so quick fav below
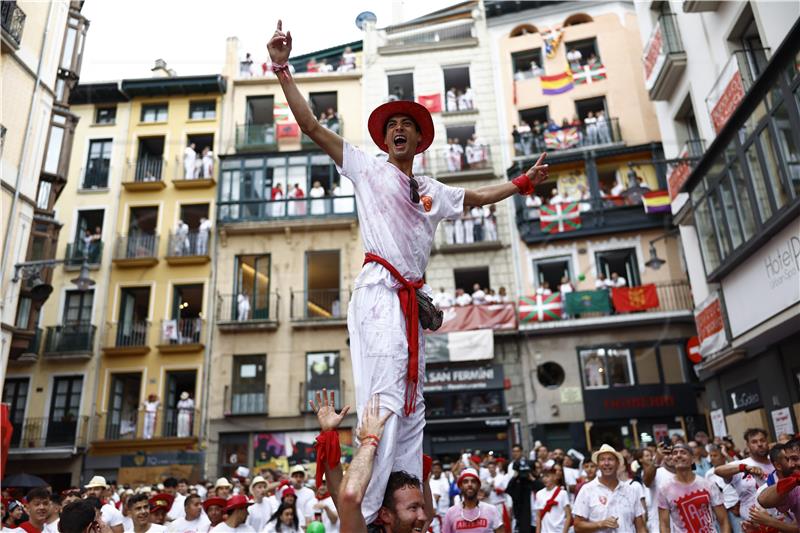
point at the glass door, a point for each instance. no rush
(64, 411)
(15, 394)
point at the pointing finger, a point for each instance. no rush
(280, 24)
(541, 158)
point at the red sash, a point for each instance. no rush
(408, 304)
(549, 504)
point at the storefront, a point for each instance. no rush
(143, 467)
(465, 409)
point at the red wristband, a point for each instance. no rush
(524, 184)
(427, 465)
(277, 67)
(742, 467)
(329, 453)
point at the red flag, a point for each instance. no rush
(6, 432)
(289, 129)
(628, 299)
(432, 102)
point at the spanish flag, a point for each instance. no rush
(656, 202)
(558, 84)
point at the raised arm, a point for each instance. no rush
(324, 406)
(524, 184)
(279, 48)
(728, 471)
(354, 484)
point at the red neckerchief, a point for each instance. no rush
(30, 528)
(549, 504)
(329, 453)
(408, 304)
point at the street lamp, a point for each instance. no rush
(40, 291)
(656, 262)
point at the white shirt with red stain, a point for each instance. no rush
(747, 485)
(690, 505)
(595, 502)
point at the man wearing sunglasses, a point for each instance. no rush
(398, 213)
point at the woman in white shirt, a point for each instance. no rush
(283, 521)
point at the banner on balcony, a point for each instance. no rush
(472, 317)
(627, 299)
(656, 202)
(710, 325)
(558, 83)
(540, 308)
(169, 330)
(654, 56)
(288, 129)
(431, 102)
(726, 94)
(552, 38)
(282, 113)
(459, 346)
(279, 450)
(578, 302)
(562, 139)
(589, 74)
(678, 173)
(558, 218)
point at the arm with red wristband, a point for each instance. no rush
(777, 495)
(329, 453)
(523, 184)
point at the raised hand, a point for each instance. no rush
(280, 45)
(539, 171)
(371, 422)
(323, 406)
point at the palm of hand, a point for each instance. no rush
(328, 418)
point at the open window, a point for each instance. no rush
(141, 238)
(323, 283)
(401, 86)
(466, 278)
(527, 64)
(322, 372)
(460, 134)
(201, 165)
(325, 106)
(260, 110)
(591, 105)
(582, 53)
(619, 263)
(134, 308)
(458, 89)
(187, 315)
(192, 215)
(88, 238)
(533, 115)
(549, 272)
(150, 162)
(123, 406)
(180, 414)
(253, 283)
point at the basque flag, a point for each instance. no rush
(559, 218)
(540, 308)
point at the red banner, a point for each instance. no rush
(432, 102)
(471, 317)
(289, 129)
(7, 431)
(728, 102)
(628, 299)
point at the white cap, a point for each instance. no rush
(297, 468)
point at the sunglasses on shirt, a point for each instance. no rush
(414, 190)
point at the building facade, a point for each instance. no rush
(733, 95)
(592, 356)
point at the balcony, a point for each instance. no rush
(594, 216)
(258, 314)
(137, 250)
(450, 166)
(25, 345)
(49, 438)
(181, 335)
(168, 429)
(678, 171)
(96, 177)
(306, 213)
(71, 341)
(664, 58)
(467, 234)
(738, 75)
(246, 403)
(188, 248)
(13, 22)
(256, 137)
(203, 180)
(569, 139)
(127, 338)
(319, 308)
(76, 252)
(411, 38)
(674, 303)
(146, 175)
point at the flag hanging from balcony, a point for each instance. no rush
(540, 308)
(627, 299)
(589, 74)
(562, 139)
(578, 302)
(457, 346)
(558, 218)
(282, 113)
(431, 102)
(656, 202)
(557, 84)
(290, 129)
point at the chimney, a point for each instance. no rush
(160, 70)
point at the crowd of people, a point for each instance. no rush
(322, 201)
(458, 100)
(470, 156)
(347, 62)
(195, 167)
(595, 128)
(612, 194)
(476, 224)
(478, 296)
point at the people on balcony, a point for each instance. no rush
(478, 294)
(453, 155)
(180, 244)
(502, 297)
(207, 163)
(466, 99)
(185, 413)
(451, 99)
(189, 159)
(297, 207)
(323, 67)
(462, 298)
(317, 206)
(276, 195)
(601, 283)
(443, 299)
(348, 61)
(242, 307)
(330, 119)
(574, 57)
(490, 224)
(477, 223)
(544, 289)
(150, 407)
(516, 136)
(618, 281)
(203, 232)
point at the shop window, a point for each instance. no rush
(550, 375)
(467, 278)
(233, 452)
(549, 272)
(105, 115)
(401, 86)
(203, 110)
(154, 113)
(248, 386)
(672, 359)
(646, 363)
(606, 367)
(622, 262)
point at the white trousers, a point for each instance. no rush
(379, 353)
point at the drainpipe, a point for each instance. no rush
(25, 146)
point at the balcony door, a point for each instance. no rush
(187, 312)
(123, 406)
(133, 314)
(621, 262)
(253, 281)
(77, 321)
(15, 394)
(323, 285)
(179, 422)
(248, 387)
(88, 237)
(65, 407)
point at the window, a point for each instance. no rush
(401, 86)
(646, 362)
(533, 115)
(98, 164)
(460, 135)
(88, 238)
(150, 161)
(464, 403)
(583, 53)
(201, 166)
(260, 110)
(123, 406)
(324, 296)
(65, 405)
(23, 312)
(78, 307)
(248, 386)
(548, 272)
(527, 64)
(55, 144)
(324, 103)
(253, 281)
(105, 115)
(233, 452)
(603, 368)
(622, 262)
(203, 110)
(467, 278)
(154, 113)
(458, 89)
(187, 315)
(132, 318)
(15, 395)
(180, 422)
(550, 375)
(672, 360)
(322, 372)
(591, 105)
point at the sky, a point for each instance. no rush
(127, 36)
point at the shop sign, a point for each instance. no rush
(766, 283)
(467, 378)
(710, 325)
(718, 423)
(744, 397)
(782, 421)
(654, 57)
(631, 402)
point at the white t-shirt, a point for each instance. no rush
(198, 525)
(499, 481)
(305, 501)
(111, 515)
(330, 527)
(259, 514)
(441, 487)
(127, 523)
(553, 520)
(222, 527)
(483, 519)
(51, 527)
(651, 495)
(729, 496)
(746, 485)
(177, 510)
(690, 505)
(596, 502)
(154, 528)
(391, 226)
(463, 300)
